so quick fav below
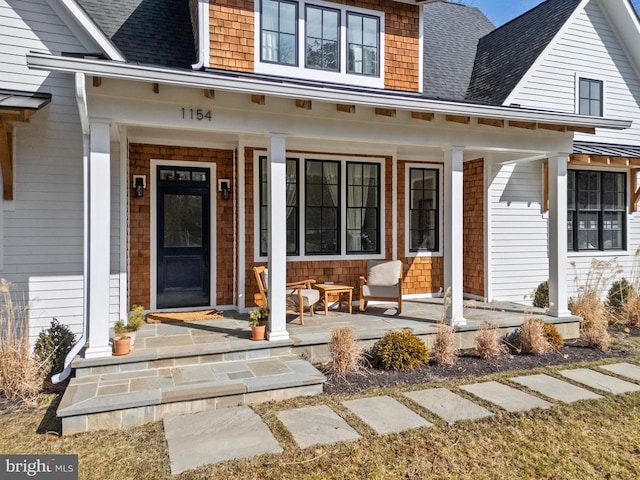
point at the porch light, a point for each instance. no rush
(139, 184)
(224, 187)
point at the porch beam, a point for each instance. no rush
(209, 93)
(99, 244)
(492, 122)
(341, 107)
(558, 299)
(525, 125)
(553, 127)
(304, 104)
(426, 116)
(386, 112)
(276, 178)
(453, 226)
(6, 159)
(635, 189)
(588, 130)
(463, 119)
(258, 99)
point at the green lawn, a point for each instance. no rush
(586, 440)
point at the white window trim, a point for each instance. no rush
(607, 253)
(301, 210)
(407, 241)
(300, 71)
(153, 191)
(589, 76)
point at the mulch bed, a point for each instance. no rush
(469, 364)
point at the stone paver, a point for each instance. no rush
(450, 407)
(508, 398)
(215, 436)
(600, 381)
(316, 426)
(554, 388)
(624, 370)
(385, 414)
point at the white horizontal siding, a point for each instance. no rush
(587, 48)
(519, 237)
(42, 229)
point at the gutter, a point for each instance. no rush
(229, 83)
(203, 36)
(83, 111)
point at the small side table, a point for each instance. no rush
(339, 290)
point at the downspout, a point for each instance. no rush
(203, 36)
(83, 111)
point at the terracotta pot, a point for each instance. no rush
(258, 332)
(121, 345)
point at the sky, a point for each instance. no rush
(501, 11)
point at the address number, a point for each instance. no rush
(196, 114)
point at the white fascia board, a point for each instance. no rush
(87, 23)
(256, 86)
(536, 64)
(626, 27)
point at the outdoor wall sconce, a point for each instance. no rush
(139, 184)
(224, 187)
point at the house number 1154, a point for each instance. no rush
(196, 114)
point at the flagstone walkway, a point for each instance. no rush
(231, 433)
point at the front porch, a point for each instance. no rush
(185, 367)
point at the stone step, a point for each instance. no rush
(129, 398)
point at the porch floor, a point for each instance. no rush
(185, 367)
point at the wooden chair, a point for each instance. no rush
(383, 282)
(300, 295)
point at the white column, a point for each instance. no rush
(277, 180)
(99, 243)
(453, 241)
(558, 236)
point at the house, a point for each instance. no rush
(572, 56)
(173, 145)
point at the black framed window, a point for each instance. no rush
(322, 38)
(293, 236)
(322, 207)
(279, 32)
(590, 97)
(596, 210)
(363, 207)
(363, 44)
(424, 208)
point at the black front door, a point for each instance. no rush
(184, 216)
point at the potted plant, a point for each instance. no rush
(258, 320)
(135, 319)
(121, 345)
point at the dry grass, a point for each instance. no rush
(563, 442)
(533, 338)
(346, 355)
(630, 314)
(443, 350)
(21, 375)
(488, 342)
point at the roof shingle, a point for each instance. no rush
(506, 54)
(157, 32)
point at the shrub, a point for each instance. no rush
(617, 296)
(443, 350)
(631, 310)
(530, 337)
(346, 354)
(553, 335)
(53, 345)
(135, 319)
(541, 295)
(21, 375)
(400, 351)
(488, 342)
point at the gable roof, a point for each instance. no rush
(156, 32)
(506, 54)
(451, 34)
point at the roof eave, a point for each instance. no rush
(196, 79)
